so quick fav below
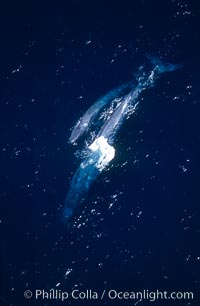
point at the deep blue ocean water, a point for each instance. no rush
(139, 226)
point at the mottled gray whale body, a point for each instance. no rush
(111, 125)
(101, 151)
(85, 121)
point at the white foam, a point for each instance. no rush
(106, 152)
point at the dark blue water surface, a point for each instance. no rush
(139, 227)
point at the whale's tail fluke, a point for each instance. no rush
(162, 66)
